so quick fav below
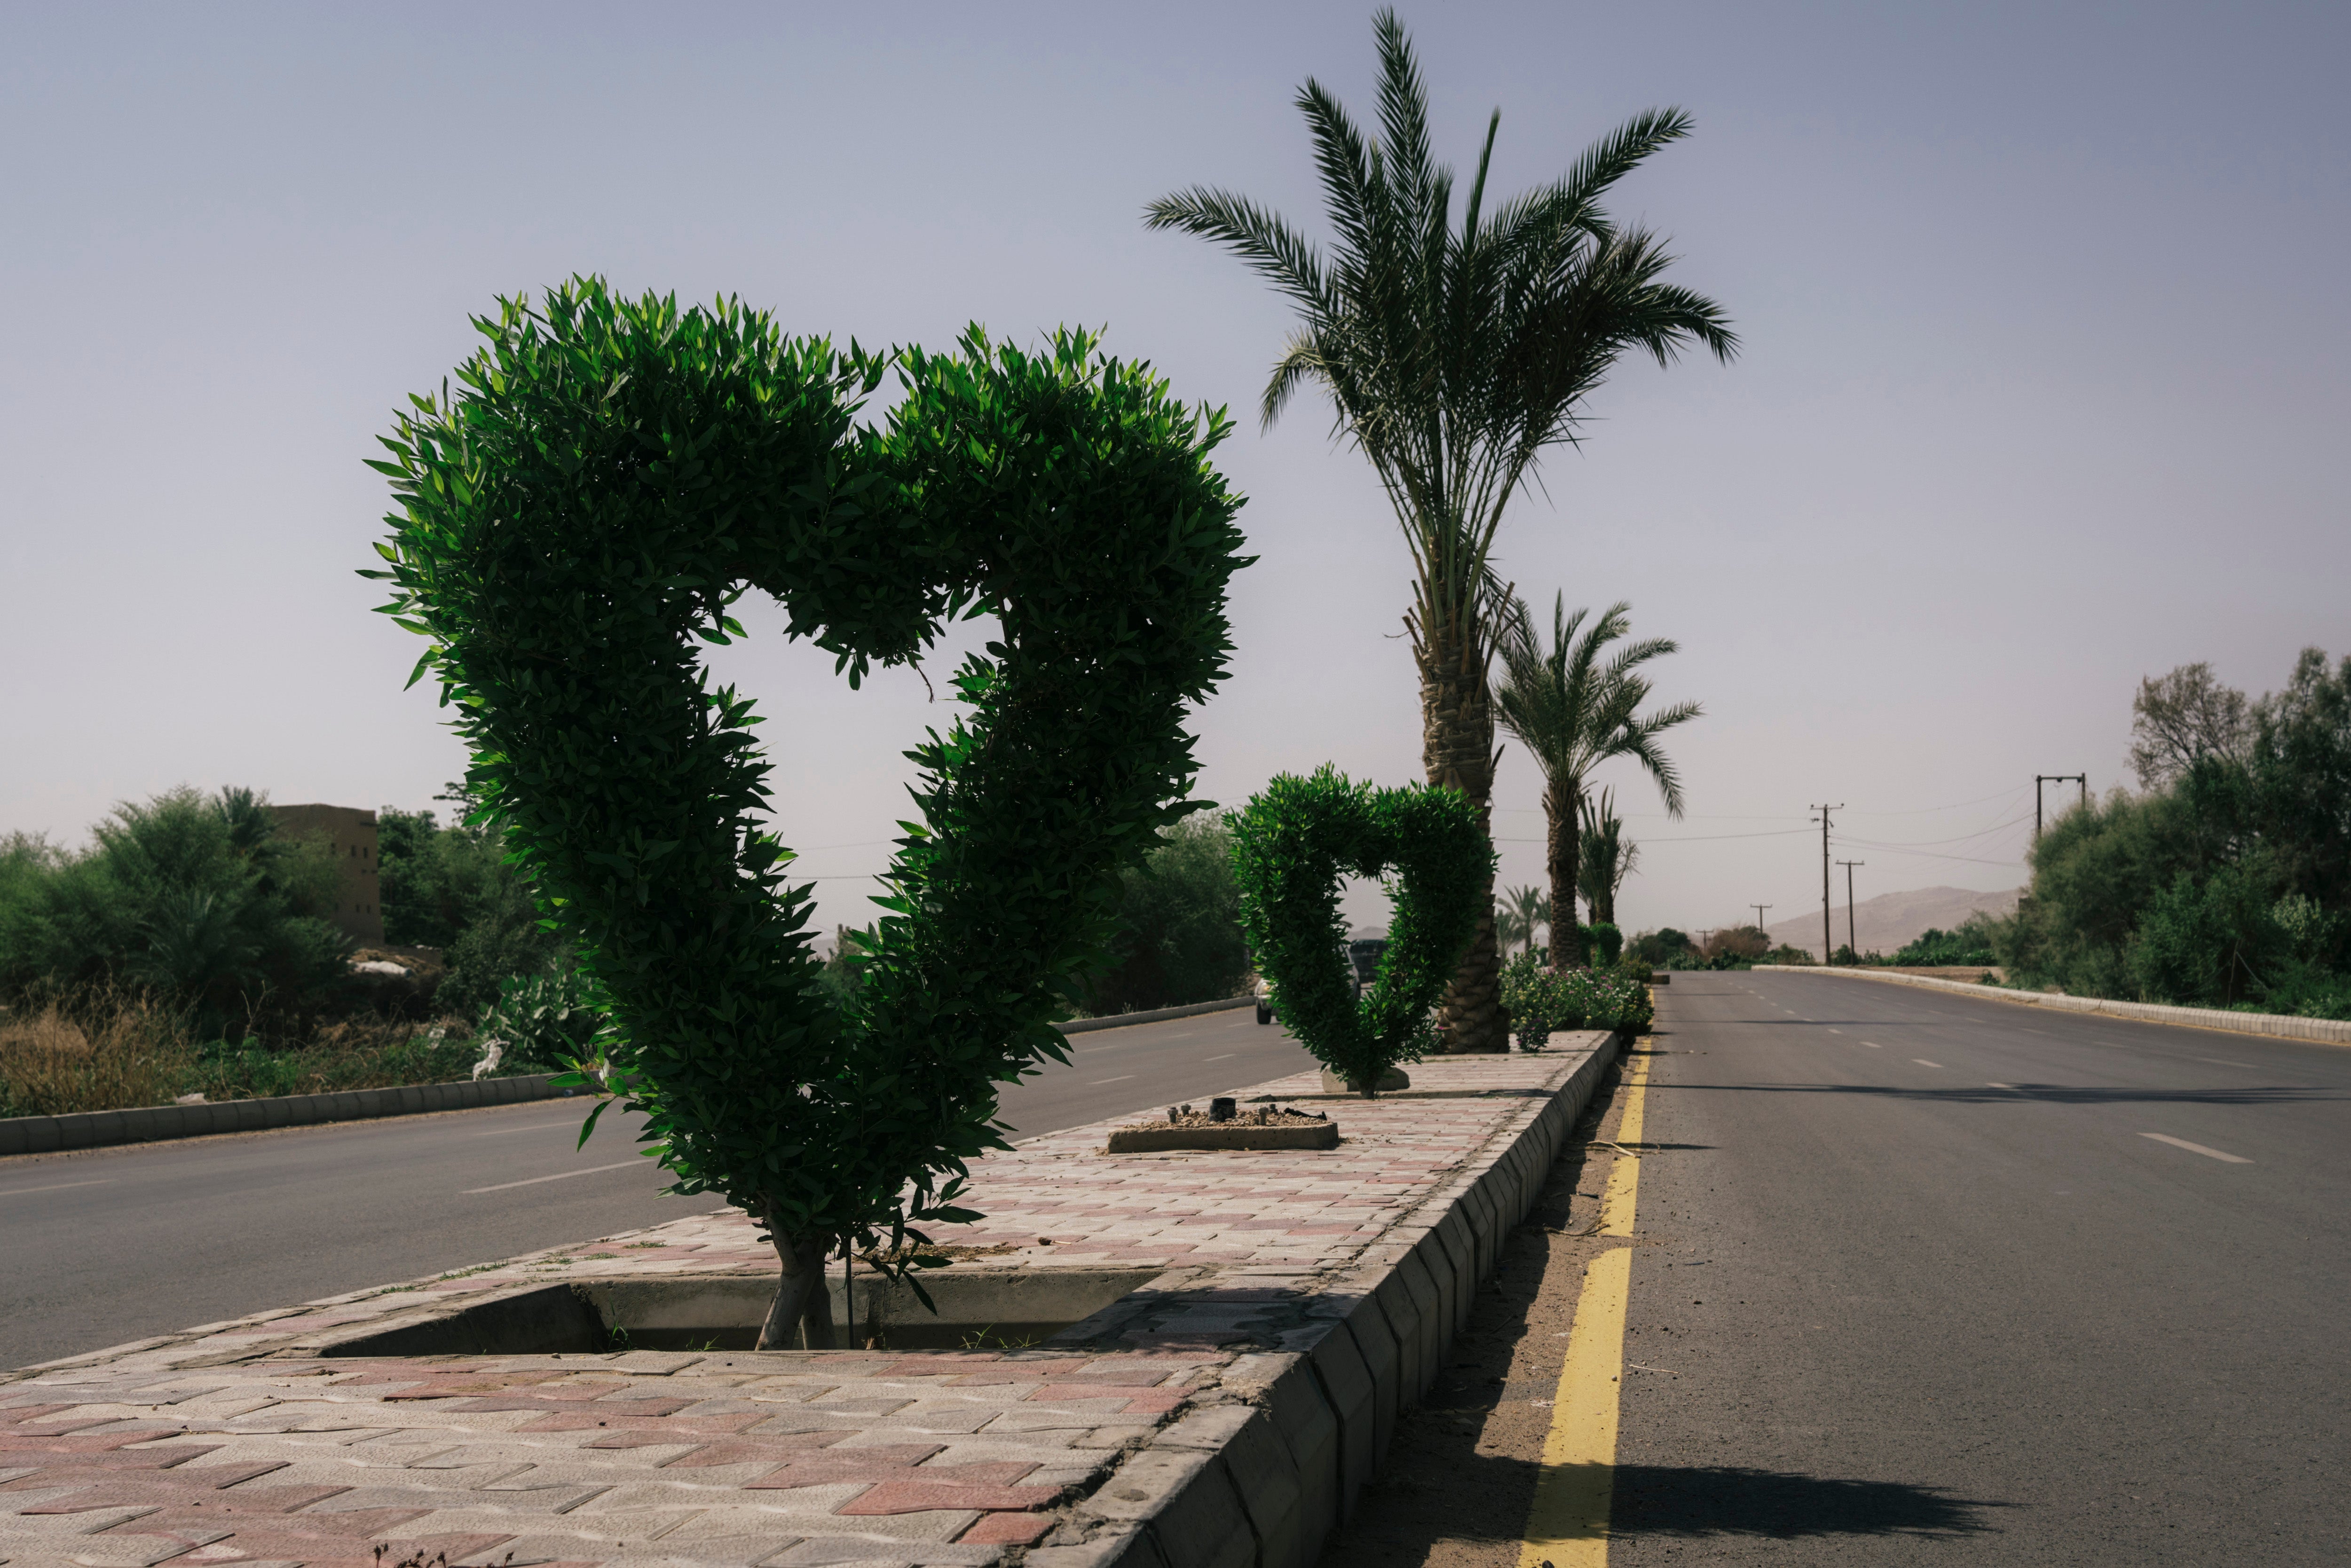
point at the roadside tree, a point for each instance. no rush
(1574, 711)
(1606, 858)
(1454, 357)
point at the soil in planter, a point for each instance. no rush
(1192, 1116)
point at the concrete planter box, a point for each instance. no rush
(1158, 1140)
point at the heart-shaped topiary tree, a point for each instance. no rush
(1291, 845)
(610, 476)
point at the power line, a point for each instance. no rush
(1930, 855)
(1682, 839)
(1956, 839)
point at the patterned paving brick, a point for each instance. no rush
(1008, 1528)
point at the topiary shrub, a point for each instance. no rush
(1291, 845)
(1606, 942)
(1542, 1001)
(538, 1024)
(574, 523)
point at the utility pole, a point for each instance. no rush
(1828, 938)
(1759, 909)
(1851, 941)
(2041, 778)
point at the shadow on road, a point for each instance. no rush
(1713, 1499)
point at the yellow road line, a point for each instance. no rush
(1567, 1525)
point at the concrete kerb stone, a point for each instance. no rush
(1460, 1246)
(1376, 1344)
(1347, 1385)
(1261, 1467)
(2276, 1026)
(1185, 1501)
(1438, 1262)
(1403, 1315)
(148, 1123)
(1302, 1423)
(1119, 1546)
(1413, 1277)
(1154, 1015)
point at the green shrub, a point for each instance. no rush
(574, 525)
(1292, 843)
(1179, 926)
(542, 1023)
(1660, 948)
(1975, 942)
(1605, 943)
(2209, 944)
(1541, 1001)
(195, 898)
(455, 889)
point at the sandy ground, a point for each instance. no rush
(1456, 1483)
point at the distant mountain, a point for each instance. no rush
(1891, 920)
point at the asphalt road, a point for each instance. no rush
(112, 1245)
(1921, 1278)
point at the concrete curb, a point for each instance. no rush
(1120, 1020)
(2278, 1026)
(1262, 1480)
(148, 1123)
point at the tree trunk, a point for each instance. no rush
(801, 1299)
(1457, 747)
(1563, 850)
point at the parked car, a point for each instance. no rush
(1367, 952)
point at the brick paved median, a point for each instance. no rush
(241, 1442)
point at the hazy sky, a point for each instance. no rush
(2043, 309)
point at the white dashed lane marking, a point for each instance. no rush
(560, 1176)
(2197, 1149)
(1924, 1062)
(55, 1186)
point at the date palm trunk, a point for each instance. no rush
(1563, 849)
(801, 1301)
(1457, 749)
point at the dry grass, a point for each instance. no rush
(126, 1051)
(110, 1050)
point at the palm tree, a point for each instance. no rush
(1517, 914)
(1574, 712)
(1454, 357)
(1606, 858)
